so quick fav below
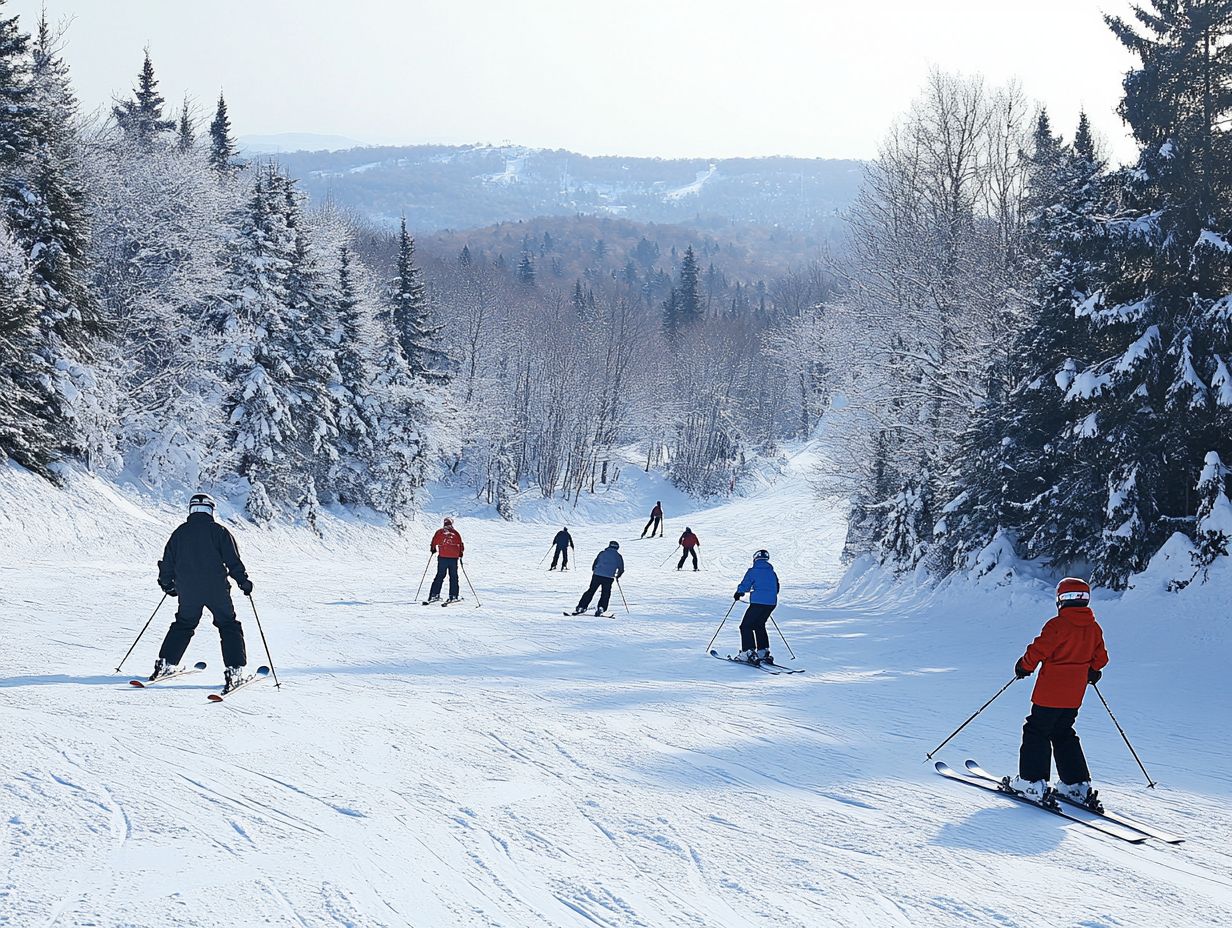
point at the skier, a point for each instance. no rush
(656, 521)
(690, 543)
(196, 562)
(608, 567)
(1071, 647)
(562, 543)
(763, 583)
(448, 547)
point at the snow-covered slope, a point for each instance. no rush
(508, 766)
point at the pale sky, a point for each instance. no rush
(670, 78)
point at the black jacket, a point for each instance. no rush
(563, 539)
(198, 557)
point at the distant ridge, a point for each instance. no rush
(293, 141)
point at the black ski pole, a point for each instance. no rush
(468, 583)
(419, 589)
(720, 628)
(622, 596)
(143, 628)
(1150, 784)
(781, 635)
(670, 556)
(268, 656)
(545, 555)
(970, 720)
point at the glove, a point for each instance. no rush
(1093, 675)
(432, 550)
(246, 587)
(1020, 671)
(169, 589)
(736, 596)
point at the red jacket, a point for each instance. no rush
(1070, 644)
(689, 540)
(657, 512)
(447, 543)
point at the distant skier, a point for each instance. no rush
(448, 547)
(608, 567)
(196, 563)
(690, 543)
(762, 582)
(656, 521)
(1071, 647)
(562, 543)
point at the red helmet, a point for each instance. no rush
(1073, 592)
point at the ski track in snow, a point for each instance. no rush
(508, 766)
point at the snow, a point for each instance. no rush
(695, 188)
(507, 766)
(1214, 240)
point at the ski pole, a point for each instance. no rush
(468, 583)
(1150, 784)
(721, 624)
(419, 589)
(545, 555)
(268, 656)
(622, 596)
(670, 556)
(143, 628)
(970, 720)
(781, 635)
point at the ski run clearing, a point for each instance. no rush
(508, 766)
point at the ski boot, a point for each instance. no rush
(579, 611)
(1082, 794)
(747, 657)
(161, 669)
(764, 656)
(451, 600)
(1035, 790)
(598, 610)
(430, 600)
(552, 568)
(232, 677)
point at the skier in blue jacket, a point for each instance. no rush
(762, 583)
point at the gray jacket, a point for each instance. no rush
(609, 563)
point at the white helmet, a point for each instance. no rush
(201, 502)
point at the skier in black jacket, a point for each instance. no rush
(562, 542)
(196, 562)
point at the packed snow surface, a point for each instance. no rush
(509, 766)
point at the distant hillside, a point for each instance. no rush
(452, 187)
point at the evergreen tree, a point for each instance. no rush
(464, 257)
(15, 91)
(25, 435)
(186, 132)
(352, 391)
(526, 271)
(671, 315)
(141, 118)
(690, 290)
(1214, 516)
(412, 316)
(222, 145)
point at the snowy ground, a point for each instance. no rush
(508, 766)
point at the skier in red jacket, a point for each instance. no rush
(1071, 648)
(690, 543)
(448, 547)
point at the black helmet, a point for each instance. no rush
(761, 555)
(201, 502)
(687, 529)
(614, 544)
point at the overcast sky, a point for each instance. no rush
(671, 78)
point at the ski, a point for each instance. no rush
(589, 614)
(450, 602)
(1107, 828)
(768, 668)
(261, 674)
(429, 602)
(1147, 830)
(195, 668)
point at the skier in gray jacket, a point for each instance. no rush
(608, 567)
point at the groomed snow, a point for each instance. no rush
(508, 766)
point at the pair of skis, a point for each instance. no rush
(1109, 823)
(448, 602)
(261, 673)
(767, 668)
(587, 612)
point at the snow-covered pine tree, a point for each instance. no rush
(141, 118)
(526, 271)
(262, 399)
(904, 541)
(691, 304)
(222, 145)
(412, 316)
(186, 130)
(352, 392)
(1214, 515)
(401, 464)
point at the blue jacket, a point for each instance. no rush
(763, 582)
(609, 563)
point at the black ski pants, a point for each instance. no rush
(561, 552)
(685, 556)
(188, 616)
(597, 583)
(1050, 732)
(445, 565)
(753, 627)
(655, 524)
